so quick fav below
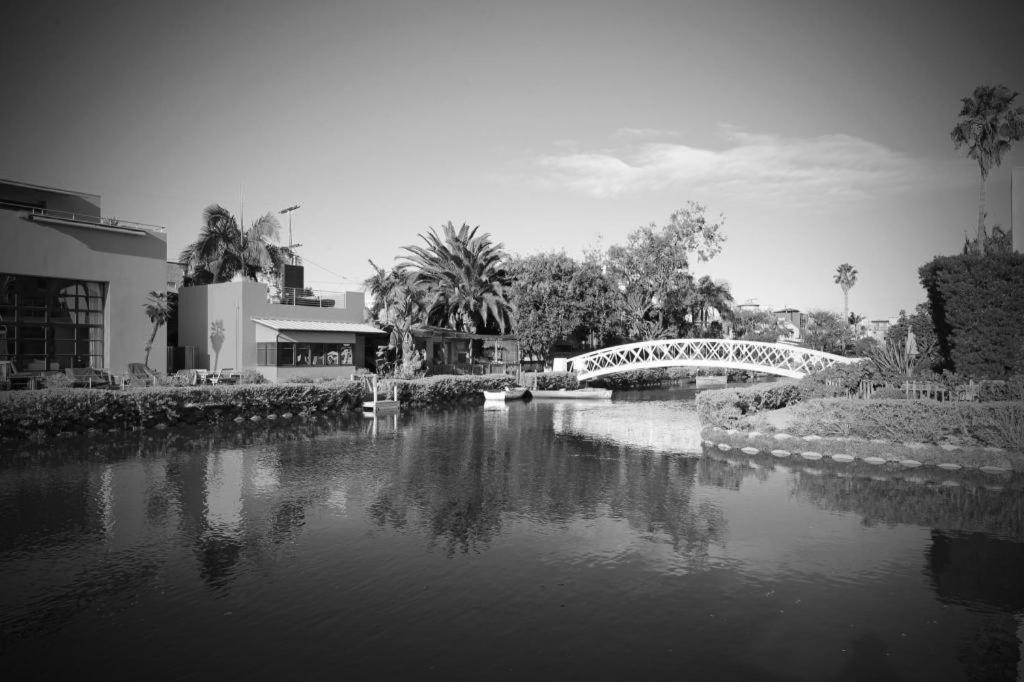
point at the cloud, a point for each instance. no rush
(765, 165)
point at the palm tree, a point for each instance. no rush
(710, 295)
(158, 312)
(463, 278)
(223, 250)
(988, 127)
(397, 303)
(846, 277)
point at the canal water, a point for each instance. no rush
(541, 541)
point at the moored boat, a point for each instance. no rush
(575, 394)
(514, 393)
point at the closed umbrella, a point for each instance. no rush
(911, 343)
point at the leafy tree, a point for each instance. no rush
(988, 127)
(652, 270)
(846, 277)
(158, 312)
(463, 278)
(554, 297)
(825, 331)
(224, 250)
(757, 325)
(924, 333)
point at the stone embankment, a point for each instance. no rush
(878, 452)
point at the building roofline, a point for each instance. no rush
(47, 188)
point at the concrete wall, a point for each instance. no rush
(130, 264)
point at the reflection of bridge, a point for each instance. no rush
(754, 356)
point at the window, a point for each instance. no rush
(50, 323)
(302, 354)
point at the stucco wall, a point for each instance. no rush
(132, 265)
(234, 305)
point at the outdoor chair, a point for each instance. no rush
(191, 375)
(10, 376)
(230, 376)
(141, 375)
(88, 377)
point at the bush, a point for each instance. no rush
(726, 407)
(643, 377)
(28, 413)
(444, 388)
(56, 381)
(1012, 389)
(889, 393)
(978, 312)
(840, 380)
(551, 381)
(925, 421)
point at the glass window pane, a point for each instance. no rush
(345, 354)
(285, 355)
(317, 350)
(302, 354)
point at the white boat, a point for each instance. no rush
(514, 393)
(575, 394)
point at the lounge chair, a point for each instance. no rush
(12, 378)
(89, 377)
(141, 375)
(228, 376)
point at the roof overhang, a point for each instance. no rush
(317, 326)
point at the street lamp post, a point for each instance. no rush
(291, 242)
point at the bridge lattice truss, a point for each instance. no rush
(755, 356)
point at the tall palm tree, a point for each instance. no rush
(711, 295)
(224, 250)
(846, 277)
(397, 303)
(989, 124)
(158, 311)
(463, 277)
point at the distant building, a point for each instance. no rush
(877, 329)
(73, 284)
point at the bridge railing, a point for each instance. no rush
(773, 358)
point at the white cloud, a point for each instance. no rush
(766, 165)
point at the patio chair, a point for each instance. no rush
(88, 377)
(10, 377)
(228, 376)
(141, 375)
(191, 375)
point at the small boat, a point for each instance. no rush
(575, 394)
(514, 393)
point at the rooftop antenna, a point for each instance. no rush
(291, 241)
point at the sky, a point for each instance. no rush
(820, 131)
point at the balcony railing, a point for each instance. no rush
(310, 297)
(84, 218)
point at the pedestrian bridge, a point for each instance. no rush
(754, 356)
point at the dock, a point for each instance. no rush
(371, 407)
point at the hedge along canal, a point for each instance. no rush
(67, 412)
(781, 420)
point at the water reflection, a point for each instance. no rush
(607, 503)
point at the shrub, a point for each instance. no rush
(725, 407)
(445, 388)
(550, 381)
(252, 376)
(978, 312)
(926, 421)
(642, 377)
(840, 380)
(1012, 389)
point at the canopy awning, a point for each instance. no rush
(318, 326)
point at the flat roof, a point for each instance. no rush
(46, 188)
(318, 326)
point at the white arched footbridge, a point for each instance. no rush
(755, 356)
